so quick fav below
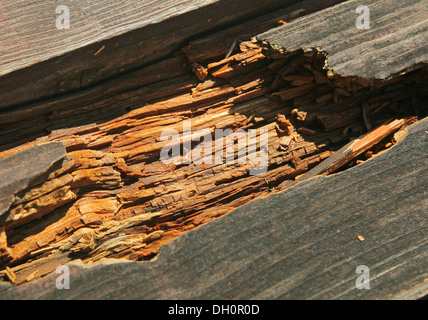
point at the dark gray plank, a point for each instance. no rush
(37, 60)
(297, 244)
(18, 170)
(396, 40)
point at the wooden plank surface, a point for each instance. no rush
(396, 40)
(113, 192)
(291, 240)
(127, 90)
(37, 60)
(17, 171)
(299, 244)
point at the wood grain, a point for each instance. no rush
(298, 244)
(396, 40)
(37, 60)
(17, 172)
(109, 196)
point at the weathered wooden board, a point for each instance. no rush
(129, 89)
(17, 171)
(298, 244)
(301, 243)
(396, 40)
(37, 60)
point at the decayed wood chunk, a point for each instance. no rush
(111, 196)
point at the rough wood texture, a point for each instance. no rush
(110, 196)
(18, 171)
(353, 149)
(298, 244)
(132, 33)
(396, 40)
(124, 90)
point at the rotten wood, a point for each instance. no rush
(354, 149)
(298, 244)
(140, 32)
(112, 197)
